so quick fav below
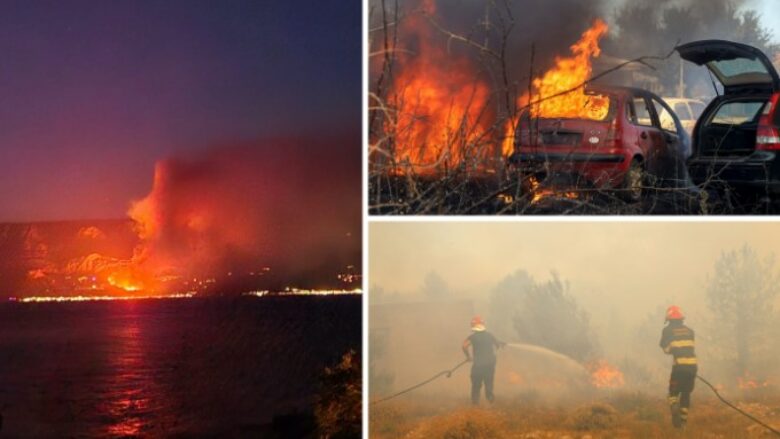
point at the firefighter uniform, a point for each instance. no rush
(483, 368)
(678, 341)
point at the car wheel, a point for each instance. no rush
(633, 182)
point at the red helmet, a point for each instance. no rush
(477, 324)
(674, 313)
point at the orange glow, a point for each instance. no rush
(129, 277)
(559, 94)
(516, 378)
(440, 102)
(569, 73)
(43, 299)
(750, 382)
(539, 193)
(289, 291)
(91, 232)
(604, 375)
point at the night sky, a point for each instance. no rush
(93, 93)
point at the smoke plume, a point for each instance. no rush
(292, 206)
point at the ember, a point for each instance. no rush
(540, 193)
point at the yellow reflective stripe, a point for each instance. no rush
(685, 360)
(681, 344)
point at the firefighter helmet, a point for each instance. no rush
(674, 313)
(477, 324)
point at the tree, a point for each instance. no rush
(339, 403)
(435, 287)
(655, 28)
(740, 295)
(543, 313)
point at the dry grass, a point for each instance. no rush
(621, 416)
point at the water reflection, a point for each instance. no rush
(130, 383)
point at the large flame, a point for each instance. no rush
(129, 279)
(440, 102)
(560, 93)
(604, 375)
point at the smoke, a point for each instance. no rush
(550, 30)
(622, 276)
(637, 28)
(292, 206)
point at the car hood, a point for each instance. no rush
(735, 65)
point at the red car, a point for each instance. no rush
(621, 149)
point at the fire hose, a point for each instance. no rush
(724, 401)
(447, 373)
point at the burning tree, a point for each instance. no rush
(741, 295)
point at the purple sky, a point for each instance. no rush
(93, 93)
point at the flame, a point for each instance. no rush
(129, 278)
(539, 193)
(440, 102)
(750, 382)
(568, 74)
(559, 92)
(604, 375)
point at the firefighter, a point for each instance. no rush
(678, 340)
(483, 368)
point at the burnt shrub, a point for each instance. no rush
(594, 417)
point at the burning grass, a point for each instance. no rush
(609, 415)
(445, 105)
(441, 132)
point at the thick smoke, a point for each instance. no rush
(637, 28)
(290, 205)
(550, 30)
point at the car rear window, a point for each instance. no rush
(591, 106)
(740, 70)
(736, 113)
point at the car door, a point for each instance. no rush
(647, 133)
(669, 158)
